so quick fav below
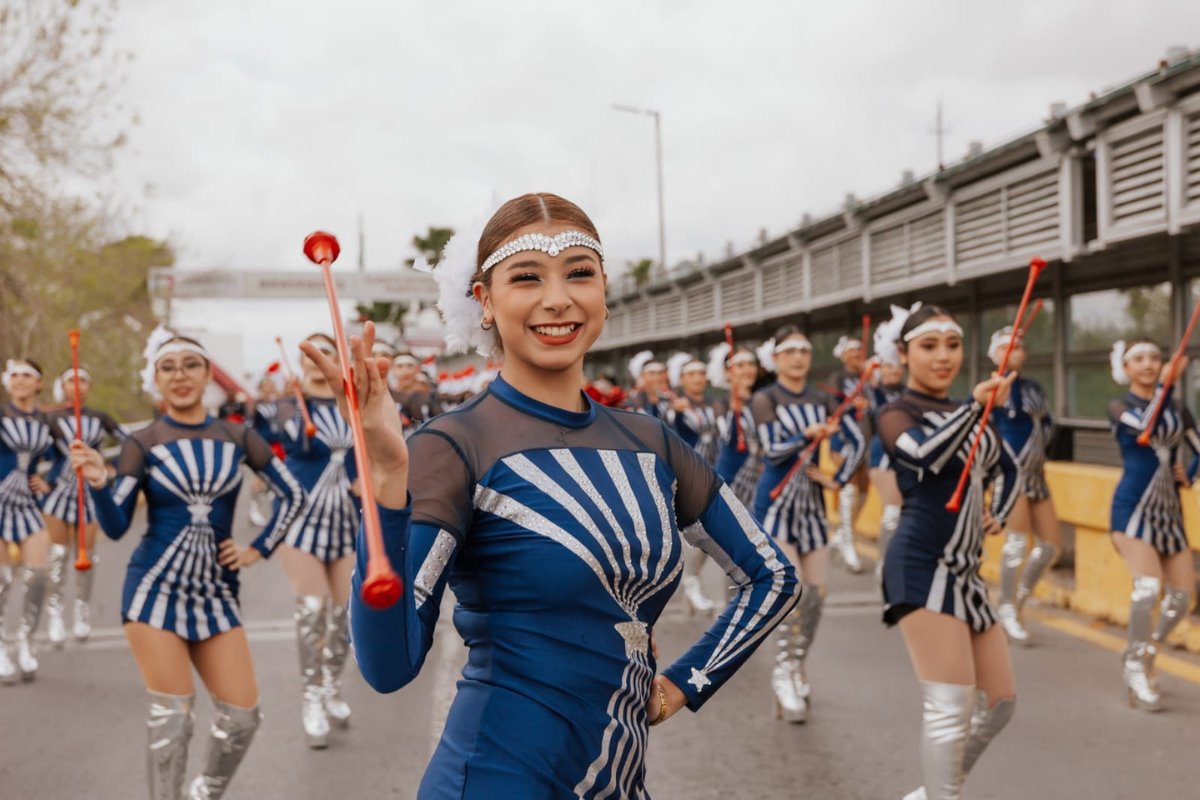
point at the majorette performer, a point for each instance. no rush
(651, 393)
(271, 389)
(61, 506)
(739, 458)
(931, 582)
(1025, 423)
(889, 388)
(180, 601)
(559, 524)
(416, 403)
(1147, 518)
(693, 415)
(850, 351)
(24, 441)
(318, 549)
(789, 416)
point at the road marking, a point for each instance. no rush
(1084, 631)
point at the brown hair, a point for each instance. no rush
(785, 331)
(29, 362)
(324, 336)
(519, 212)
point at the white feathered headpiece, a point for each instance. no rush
(675, 365)
(639, 362)
(60, 383)
(887, 335)
(158, 337)
(1116, 360)
(12, 367)
(461, 312)
(716, 365)
(845, 344)
(766, 355)
(999, 343)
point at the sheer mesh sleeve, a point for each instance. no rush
(780, 440)
(905, 436)
(115, 503)
(439, 482)
(261, 458)
(1192, 436)
(696, 481)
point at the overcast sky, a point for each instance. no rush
(262, 121)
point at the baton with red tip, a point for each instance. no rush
(1144, 437)
(82, 562)
(310, 430)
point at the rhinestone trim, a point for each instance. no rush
(550, 245)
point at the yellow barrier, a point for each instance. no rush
(1083, 498)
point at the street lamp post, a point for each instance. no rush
(662, 226)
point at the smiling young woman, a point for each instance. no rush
(931, 582)
(557, 522)
(180, 601)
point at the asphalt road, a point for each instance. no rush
(78, 731)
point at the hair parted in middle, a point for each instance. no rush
(919, 317)
(519, 212)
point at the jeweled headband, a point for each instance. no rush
(1138, 349)
(741, 358)
(654, 366)
(793, 344)
(20, 368)
(550, 245)
(69, 374)
(406, 360)
(934, 326)
(694, 366)
(170, 348)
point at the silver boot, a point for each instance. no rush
(812, 602)
(1011, 557)
(986, 722)
(8, 670)
(168, 732)
(1171, 612)
(843, 539)
(1138, 657)
(790, 706)
(229, 738)
(56, 626)
(945, 726)
(1040, 558)
(82, 626)
(337, 649)
(310, 636)
(35, 597)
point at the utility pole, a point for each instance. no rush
(662, 224)
(939, 132)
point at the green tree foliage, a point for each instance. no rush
(641, 271)
(430, 248)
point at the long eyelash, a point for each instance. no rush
(524, 277)
(584, 272)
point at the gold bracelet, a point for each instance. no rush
(662, 706)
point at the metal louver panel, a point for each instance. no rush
(1136, 168)
(849, 254)
(1033, 211)
(978, 227)
(737, 295)
(668, 314)
(824, 271)
(1191, 159)
(927, 243)
(774, 285)
(701, 308)
(639, 318)
(889, 253)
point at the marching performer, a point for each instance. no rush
(790, 415)
(739, 458)
(853, 493)
(931, 582)
(24, 440)
(1147, 519)
(694, 417)
(61, 507)
(651, 393)
(180, 602)
(318, 551)
(1025, 423)
(889, 388)
(558, 522)
(416, 403)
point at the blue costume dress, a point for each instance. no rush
(797, 516)
(1025, 423)
(1146, 505)
(24, 440)
(324, 465)
(642, 404)
(416, 407)
(62, 502)
(560, 534)
(933, 559)
(697, 425)
(190, 475)
(741, 467)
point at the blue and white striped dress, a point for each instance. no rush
(62, 502)
(739, 468)
(1026, 424)
(324, 465)
(561, 535)
(933, 559)
(190, 475)
(797, 515)
(697, 425)
(24, 441)
(1146, 505)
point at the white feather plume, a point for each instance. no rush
(716, 365)
(998, 343)
(158, 337)
(766, 355)
(887, 335)
(675, 366)
(461, 312)
(638, 363)
(844, 344)
(1116, 360)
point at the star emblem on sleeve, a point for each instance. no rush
(699, 680)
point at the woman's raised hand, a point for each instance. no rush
(982, 391)
(91, 462)
(382, 428)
